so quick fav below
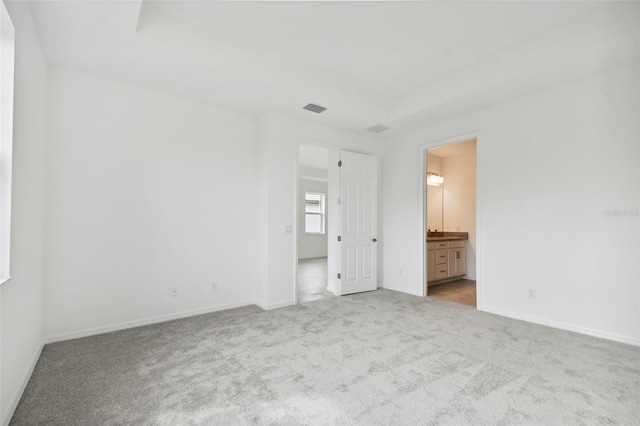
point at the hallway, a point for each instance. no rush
(312, 280)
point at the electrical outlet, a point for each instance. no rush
(175, 291)
(214, 286)
(531, 293)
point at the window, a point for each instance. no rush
(314, 216)
(7, 46)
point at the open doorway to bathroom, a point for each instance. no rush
(450, 207)
(313, 223)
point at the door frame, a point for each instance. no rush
(333, 222)
(423, 182)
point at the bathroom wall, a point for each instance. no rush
(434, 195)
(459, 200)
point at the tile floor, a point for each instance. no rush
(459, 291)
(312, 280)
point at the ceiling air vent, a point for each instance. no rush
(378, 128)
(315, 108)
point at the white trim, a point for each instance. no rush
(564, 326)
(7, 85)
(278, 305)
(138, 15)
(478, 237)
(145, 321)
(5, 280)
(423, 176)
(25, 381)
(402, 290)
(296, 234)
(313, 178)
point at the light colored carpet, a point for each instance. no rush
(366, 359)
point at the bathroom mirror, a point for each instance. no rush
(435, 214)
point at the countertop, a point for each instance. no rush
(446, 236)
(432, 239)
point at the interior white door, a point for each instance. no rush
(358, 223)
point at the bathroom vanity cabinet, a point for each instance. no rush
(446, 260)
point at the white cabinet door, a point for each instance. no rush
(431, 265)
(457, 262)
(358, 223)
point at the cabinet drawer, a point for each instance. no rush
(457, 244)
(441, 256)
(441, 272)
(441, 244)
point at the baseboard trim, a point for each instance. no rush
(23, 387)
(145, 321)
(563, 326)
(278, 305)
(399, 290)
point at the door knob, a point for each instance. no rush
(374, 240)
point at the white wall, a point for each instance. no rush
(280, 136)
(460, 201)
(310, 245)
(22, 297)
(540, 205)
(146, 191)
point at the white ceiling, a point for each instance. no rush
(400, 64)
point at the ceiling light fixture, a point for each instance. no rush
(434, 179)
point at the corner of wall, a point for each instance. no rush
(22, 298)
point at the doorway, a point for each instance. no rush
(450, 222)
(313, 224)
(336, 217)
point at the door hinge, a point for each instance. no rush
(339, 238)
(340, 163)
(339, 200)
(339, 276)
